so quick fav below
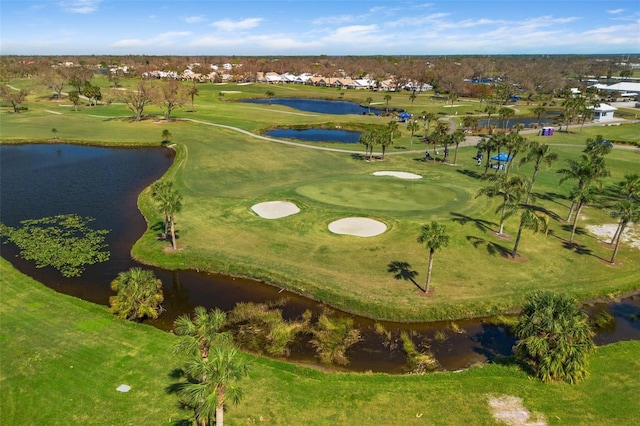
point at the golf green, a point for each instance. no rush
(384, 193)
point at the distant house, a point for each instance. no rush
(627, 88)
(603, 112)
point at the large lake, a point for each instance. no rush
(46, 180)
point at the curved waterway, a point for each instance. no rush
(104, 183)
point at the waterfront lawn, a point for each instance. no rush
(62, 359)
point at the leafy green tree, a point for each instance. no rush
(510, 189)
(13, 97)
(166, 136)
(92, 92)
(65, 242)
(212, 383)
(169, 201)
(270, 94)
(627, 211)
(139, 295)
(74, 97)
(434, 237)
(539, 154)
(555, 338)
(201, 332)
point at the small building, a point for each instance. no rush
(603, 112)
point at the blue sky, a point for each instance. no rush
(312, 27)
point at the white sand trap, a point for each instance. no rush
(123, 388)
(230, 91)
(631, 234)
(358, 226)
(401, 175)
(450, 106)
(275, 209)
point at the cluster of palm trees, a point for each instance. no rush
(578, 108)
(169, 202)
(379, 136)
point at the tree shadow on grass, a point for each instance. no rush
(360, 157)
(552, 197)
(402, 271)
(482, 225)
(178, 374)
(491, 247)
(471, 173)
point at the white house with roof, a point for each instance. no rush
(603, 112)
(624, 88)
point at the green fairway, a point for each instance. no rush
(222, 172)
(63, 358)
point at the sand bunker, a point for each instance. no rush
(401, 175)
(275, 209)
(631, 234)
(358, 226)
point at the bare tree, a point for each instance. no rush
(136, 100)
(172, 96)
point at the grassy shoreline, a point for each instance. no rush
(62, 359)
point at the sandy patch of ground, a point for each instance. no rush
(244, 84)
(230, 91)
(123, 388)
(400, 175)
(450, 106)
(275, 209)
(630, 236)
(52, 112)
(358, 226)
(509, 409)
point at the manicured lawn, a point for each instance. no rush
(222, 173)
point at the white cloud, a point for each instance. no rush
(229, 25)
(195, 19)
(80, 6)
(615, 11)
(338, 19)
(167, 38)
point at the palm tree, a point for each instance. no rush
(169, 202)
(629, 188)
(391, 132)
(581, 197)
(202, 332)
(515, 143)
(438, 136)
(270, 94)
(456, 138)
(539, 112)
(555, 337)
(510, 188)
(539, 153)
(193, 92)
(412, 97)
(490, 110)
(427, 118)
(368, 139)
(628, 211)
(505, 114)
(413, 127)
(433, 236)
(212, 383)
(387, 98)
(368, 102)
(139, 295)
(531, 220)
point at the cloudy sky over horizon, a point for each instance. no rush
(312, 27)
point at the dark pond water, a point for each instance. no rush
(45, 180)
(318, 105)
(316, 135)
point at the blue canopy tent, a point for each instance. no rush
(501, 158)
(404, 116)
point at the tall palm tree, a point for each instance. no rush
(139, 295)
(505, 114)
(456, 138)
(629, 188)
(193, 92)
(539, 112)
(413, 127)
(387, 98)
(412, 97)
(434, 237)
(427, 118)
(555, 337)
(368, 102)
(538, 153)
(201, 332)
(438, 136)
(391, 132)
(368, 139)
(581, 197)
(490, 110)
(515, 143)
(213, 383)
(628, 211)
(169, 202)
(511, 189)
(531, 220)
